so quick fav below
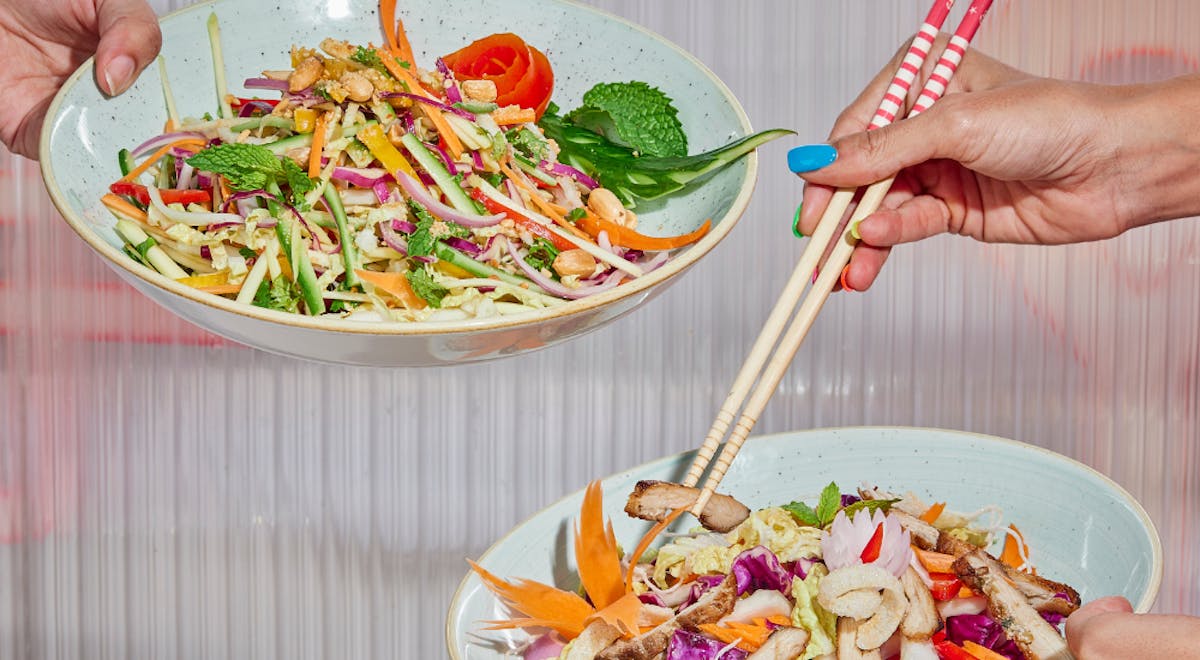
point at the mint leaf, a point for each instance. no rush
(426, 287)
(298, 182)
(803, 513)
(244, 166)
(541, 254)
(368, 57)
(633, 114)
(577, 214)
(247, 253)
(529, 144)
(831, 501)
(870, 506)
(429, 230)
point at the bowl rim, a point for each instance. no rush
(675, 266)
(1141, 607)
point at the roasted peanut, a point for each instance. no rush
(628, 219)
(574, 262)
(605, 204)
(358, 88)
(307, 73)
(483, 91)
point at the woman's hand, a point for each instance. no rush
(1006, 157)
(45, 41)
(1107, 629)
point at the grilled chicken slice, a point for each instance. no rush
(847, 642)
(924, 535)
(655, 500)
(783, 644)
(951, 546)
(1022, 624)
(921, 619)
(711, 607)
(594, 639)
(1042, 593)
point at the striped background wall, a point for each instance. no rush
(166, 494)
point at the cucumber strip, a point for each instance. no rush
(349, 251)
(531, 168)
(214, 42)
(297, 255)
(281, 147)
(166, 174)
(264, 122)
(148, 248)
(480, 269)
(255, 277)
(168, 95)
(125, 161)
(477, 107)
(437, 169)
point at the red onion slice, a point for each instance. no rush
(417, 192)
(163, 140)
(556, 288)
(437, 104)
(560, 169)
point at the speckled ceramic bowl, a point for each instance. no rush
(1082, 528)
(84, 131)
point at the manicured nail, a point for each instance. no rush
(796, 222)
(811, 157)
(845, 286)
(816, 272)
(119, 74)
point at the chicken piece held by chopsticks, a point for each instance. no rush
(655, 500)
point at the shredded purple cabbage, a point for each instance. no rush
(847, 500)
(984, 631)
(687, 645)
(759, 568)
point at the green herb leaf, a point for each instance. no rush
(281, 294)
(831, 501)
(426, 287)
(247, 253)
(368, 57)
(803, 513)
(529, 144)
(244, 166)
(542, 254)
(634, 114)
(870, 506)
(577, 214)
(298, 182)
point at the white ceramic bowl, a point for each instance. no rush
(1082, 528)
(84, 131)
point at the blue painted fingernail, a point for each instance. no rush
(811, 157)
(796, 222)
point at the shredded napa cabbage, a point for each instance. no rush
(808, 614)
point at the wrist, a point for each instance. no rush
(1158, 159)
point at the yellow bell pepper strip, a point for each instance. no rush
(306, 120)
(384, 151)
(629, 238)
(205, 281)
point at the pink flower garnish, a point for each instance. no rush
(846, 539)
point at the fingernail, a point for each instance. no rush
(815, 273)
(845, 286)
(811, 157)
(796, 222)
(119, 74)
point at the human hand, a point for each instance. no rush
(1006, 157)
(1107, 628)
(44, 42)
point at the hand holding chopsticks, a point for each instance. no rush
(752, 374)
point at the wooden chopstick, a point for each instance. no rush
(776, 363)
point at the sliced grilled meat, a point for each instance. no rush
(783, 644)
(921, 619)
(711, 607)
(655, 500)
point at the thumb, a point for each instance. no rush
(129, 40)
(869, 156)
(1106, 605)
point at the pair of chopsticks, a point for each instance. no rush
(776, 363)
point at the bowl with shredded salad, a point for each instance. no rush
(364, 186)
(885, 542)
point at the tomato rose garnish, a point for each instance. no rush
(522, 74)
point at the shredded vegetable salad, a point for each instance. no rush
(854, 575)
(374, 189)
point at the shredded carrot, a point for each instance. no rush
(622, 614)
(931, 515)
(981, 652)
(544, 606)
(514, 114)
(387, 14)
(545, 207)
(318, 145)
(934, 562)
(644, 545)
(395, 284)
(965, 592)
(748, 636)
(1014, 548)
(118, 205)
(403, 48)
(596, 551)
(453, 144)
(154, 158)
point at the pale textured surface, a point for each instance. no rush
(164, 494)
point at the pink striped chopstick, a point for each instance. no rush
(768, 380)
(893, 101)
